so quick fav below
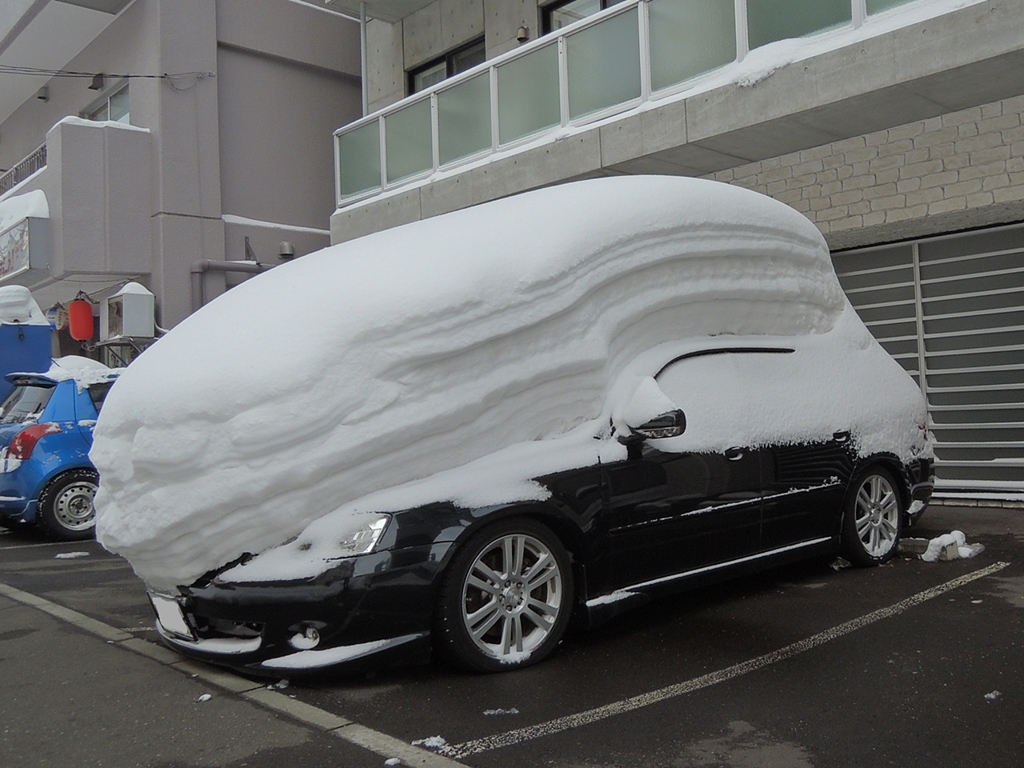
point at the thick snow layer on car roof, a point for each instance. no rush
(83, 370)
(499, 335)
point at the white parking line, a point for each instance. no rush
(560, 724)
(314, 717)
(44, 544)
(389, 746)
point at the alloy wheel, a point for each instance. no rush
(877, 514)
(512, 596)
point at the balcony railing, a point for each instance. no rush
(23, 170)
(597, 67)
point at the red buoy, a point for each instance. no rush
(80, 320)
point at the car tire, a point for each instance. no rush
(65, 509)
(506, 598)
(872, 518)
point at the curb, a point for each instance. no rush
(382, 744)
(962, 501)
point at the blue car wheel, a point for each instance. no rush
(66, 508)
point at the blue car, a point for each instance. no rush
(46, 424)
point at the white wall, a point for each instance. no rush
(250, 138)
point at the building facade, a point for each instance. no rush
(896, 126)
(168, 137)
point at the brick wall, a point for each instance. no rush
(957, 171)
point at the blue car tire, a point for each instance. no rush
(66, 508)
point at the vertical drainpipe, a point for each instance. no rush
(362, 56)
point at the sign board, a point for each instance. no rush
(24, 247)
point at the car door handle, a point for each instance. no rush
(734, 454)
(654, 508)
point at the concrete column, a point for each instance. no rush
(187, 221)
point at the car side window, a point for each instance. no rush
(713, 388)
(98, 393)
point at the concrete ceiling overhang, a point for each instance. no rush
(45, 34)
(390, 11)
(728, 126)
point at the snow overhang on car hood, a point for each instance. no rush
(413, 351)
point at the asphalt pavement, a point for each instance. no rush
(910, 664)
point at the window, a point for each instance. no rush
(772, 20)
(452, 63)
(603, 64)
(98, 393)
(112, 107)
(564, 12)
(25, 402)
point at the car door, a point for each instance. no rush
(804, 486)
(668, 514)
(88, 402)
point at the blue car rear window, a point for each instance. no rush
(98, 393)
(24, 403)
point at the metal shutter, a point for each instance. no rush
(950, 310)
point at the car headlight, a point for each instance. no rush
(363, 538)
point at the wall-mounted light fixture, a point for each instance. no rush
(97, 82)
(522, 34)
(286, 251)
(43, 94)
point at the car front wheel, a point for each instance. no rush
(66, 508)
(872, 519)
(506, 598)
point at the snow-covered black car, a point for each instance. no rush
(560, 404)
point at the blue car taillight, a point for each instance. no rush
(24, 442)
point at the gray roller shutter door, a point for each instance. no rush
(950, 310)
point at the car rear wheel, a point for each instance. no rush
(506, 598)
(66, 508)
(872, 520)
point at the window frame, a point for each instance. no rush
(548, 9)
(103, 104)
(449, 61)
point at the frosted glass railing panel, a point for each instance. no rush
(464, 119)
(689, 37)
(528, 94)
(877, 6)
(604, 64)
(359, 159)
(408, 142)
(771, 20)
(590, 71)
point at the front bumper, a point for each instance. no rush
(351, 657)
(367, 611)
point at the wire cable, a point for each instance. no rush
(13, 69)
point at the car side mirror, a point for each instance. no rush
(670, 424)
